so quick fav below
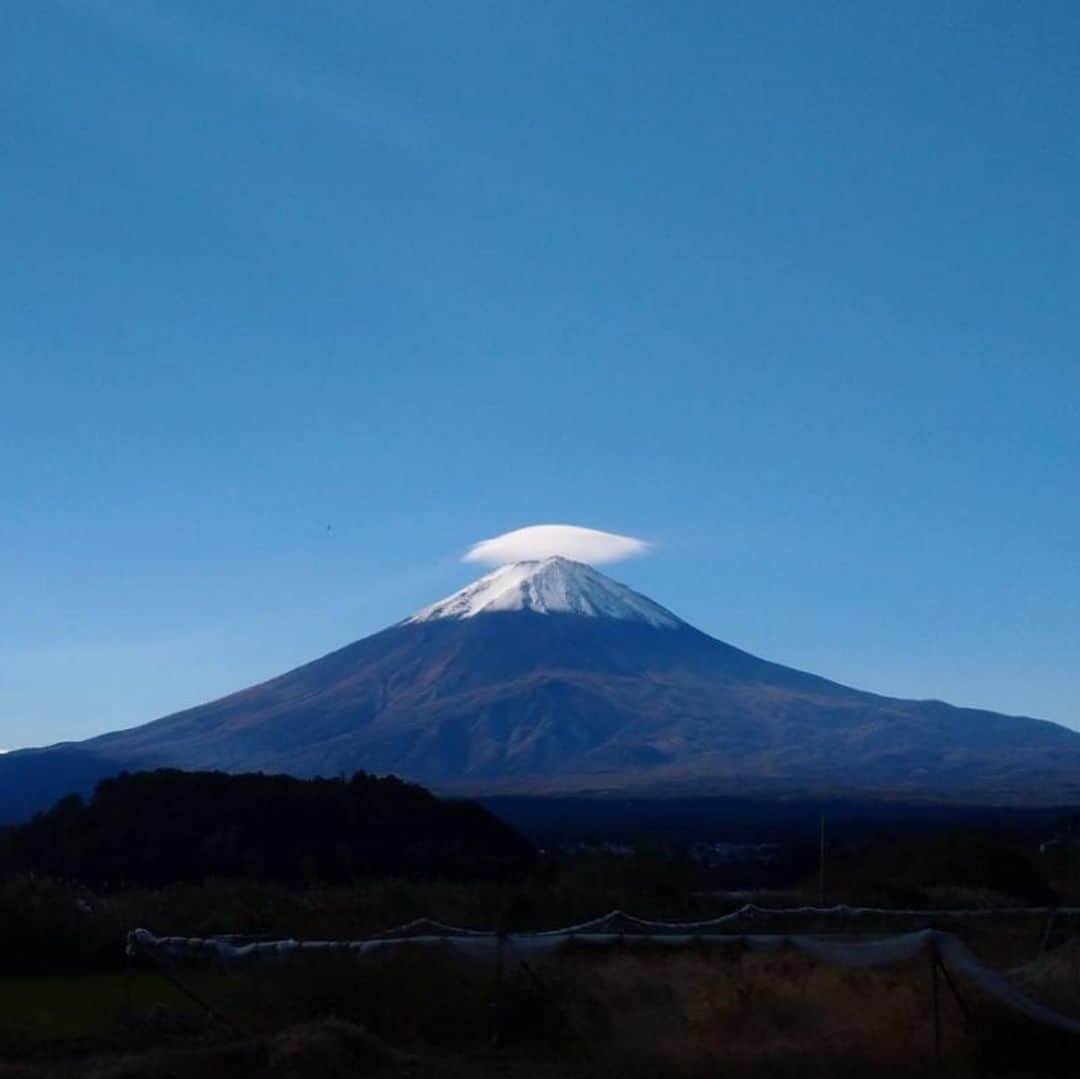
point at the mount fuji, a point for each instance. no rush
(548, 676)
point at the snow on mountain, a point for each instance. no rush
(549, 586)
(581, 684)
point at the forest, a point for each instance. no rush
(150, 829)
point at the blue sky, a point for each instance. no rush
(790, 290)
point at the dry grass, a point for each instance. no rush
(635, 1012)
(692, 1014)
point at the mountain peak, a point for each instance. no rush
(553, 585)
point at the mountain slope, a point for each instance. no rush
(549, 676)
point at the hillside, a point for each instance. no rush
(155, 828)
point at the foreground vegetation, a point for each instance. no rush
(54, 926)
(635, 1011)
(70, 1005)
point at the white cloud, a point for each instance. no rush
(544, 541)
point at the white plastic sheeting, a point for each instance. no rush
(617, 927)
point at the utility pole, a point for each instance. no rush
(934, 961)
(821, 864)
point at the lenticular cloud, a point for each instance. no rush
(546, 541)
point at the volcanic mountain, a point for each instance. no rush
(549, 676)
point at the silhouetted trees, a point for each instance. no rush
(154, 828)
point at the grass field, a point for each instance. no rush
(629, 1011)
(634, 1012)
(42, 1008)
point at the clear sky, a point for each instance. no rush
(301, 300)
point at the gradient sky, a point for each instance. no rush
(300, 301)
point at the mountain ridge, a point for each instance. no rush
(571, 682)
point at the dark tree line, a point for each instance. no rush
(148, 829)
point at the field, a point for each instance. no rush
(632, 1011)
(70, 1006)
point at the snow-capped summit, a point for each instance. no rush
(550, 586)
(580, 685)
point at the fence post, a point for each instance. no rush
(1044, 944)
(934, 996)
(497, 1002)
(129, 1002)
